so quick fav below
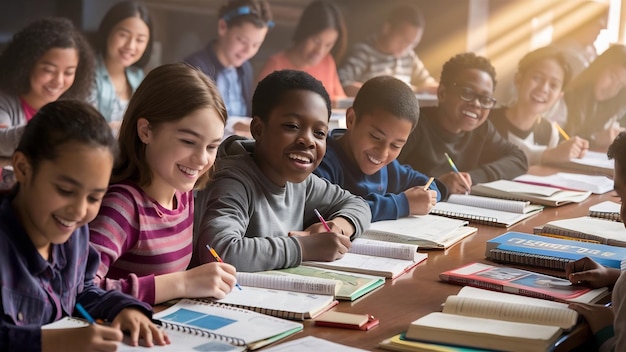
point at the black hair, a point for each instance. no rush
(61, 122)
(545, 53)
(615, 54)
(617, 151)
(453, 68)
(118, 13)
(271, 89)
(390, 95)
(237, 12)
(319, 16)
(31, 43)
(406, 14)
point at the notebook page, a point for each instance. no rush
(593, 183)
(425, 227)
(289, 283)
(383, 249)
(513, 206)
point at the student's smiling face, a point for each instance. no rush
(238, 44)
(63, 194)
(540, 86)
(292, 142)
(52, 75)
(374, 140)
(457, 115)
(128, 41)
(316, 47)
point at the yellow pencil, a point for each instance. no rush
(561, 131)
(430, 180)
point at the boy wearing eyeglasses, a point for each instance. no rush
(459, 127)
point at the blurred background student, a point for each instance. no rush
(318, 41)
(46, 61)
(241, 29)
(123, 44)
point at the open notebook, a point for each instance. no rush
(486, 210)
(550, 196)
(596, 184)
(592, 163)
(426, 231)
(587, 228)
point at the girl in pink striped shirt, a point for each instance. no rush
(168, 141)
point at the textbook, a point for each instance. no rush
(550, 196)
(577, 182)
(426, 231)
(373, 257)
(608, 210)
(549, 252)
(592, 162)
(486, 210)
(522, 282)
(402, 344)
(485, 319)
(312, 344)
(239, 327)
(587, 228)
(179, 340)
(296, 298)
(350, 285)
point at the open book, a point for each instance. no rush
(587, 228)
(236, 326)
(550, 196)
(522, 282)
(577, 182)
(549, 252)
(491, 320)
(290, 297)
(426, 231)
(373, 257)
(350, 286)
(592, 163)
(606, 210)
(486, 210)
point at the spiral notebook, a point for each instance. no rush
(486, 210)
(236, 326)
(606, 210)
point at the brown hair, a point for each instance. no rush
(154, 100)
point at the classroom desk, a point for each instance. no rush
(420, 292)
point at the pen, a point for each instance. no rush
(84, 313)
(319, 216)
(430, 180)
(561, 131)
(217, 257)
(456, 170)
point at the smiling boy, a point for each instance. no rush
(362, 159)
(459, 127)
(258, 211)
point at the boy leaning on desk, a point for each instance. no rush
(608, 324)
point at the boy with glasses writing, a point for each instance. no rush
(459, 127)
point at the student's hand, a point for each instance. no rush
(596, 315)
(90, 338)
(209, 280)
(574, 148)
(138, 325)
(420, 200)
(325, 246)
(588, 272)
(454, 182)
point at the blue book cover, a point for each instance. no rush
(554, 253)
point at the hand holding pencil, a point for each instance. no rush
(421, 198)
(456, 181)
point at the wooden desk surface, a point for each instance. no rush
(420, 292)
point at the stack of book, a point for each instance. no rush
(586, 228)
(550, 196)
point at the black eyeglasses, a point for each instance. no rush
(469, 95)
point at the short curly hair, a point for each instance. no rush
(270, 91)
(617, 151)
(453, 68)
(31, 43)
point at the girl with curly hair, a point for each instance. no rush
(46, 61)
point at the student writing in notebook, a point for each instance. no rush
(258, 210)
(362, 158)
(62, 164)
(144, 230)
(459, 126)
(540, 78)
(607, 324)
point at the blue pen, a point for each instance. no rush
(84, 313)
(217, 257)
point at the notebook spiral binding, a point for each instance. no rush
(538, 260)
(607, 216)
(573, 234)
(487, 220)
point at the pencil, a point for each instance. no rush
(319, 216)
(430, 180)
(561, 131)
(84, 313)
(454, 168)
(217, 257)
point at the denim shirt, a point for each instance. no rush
(103, 96)
(36, 292)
